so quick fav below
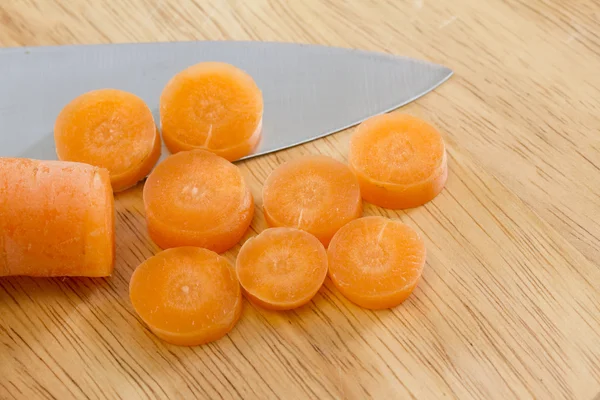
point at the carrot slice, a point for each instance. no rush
(187, 296)
(196, 198)
(213, 106)
(111, 129)
(316, 193)
(376, 262)
(400, 161)
(56, 219)
(282, 268)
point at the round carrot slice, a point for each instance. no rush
(111, 129)
(187, 296)
(282, 268)
(196, 198)
(213, 106)
(376, 262)
(400, 161)
(317, 194)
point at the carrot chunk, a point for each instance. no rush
(376, 262)
(56, 219)
(317, 194)
(282, 268)
(196, 198)
(111, 129)
(213, 106)
(187, 296)
(400, 161)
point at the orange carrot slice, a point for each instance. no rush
(187, 296)
(56, 219)
(316, 193)
(282, 268)
(196, 198)
(213, 106)
(400, 161)
(111, 129)
(376, 262)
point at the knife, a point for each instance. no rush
(309, 91)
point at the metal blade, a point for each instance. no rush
(309, 91)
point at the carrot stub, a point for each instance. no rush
(282, 268)
(400, 161)
(316, 193)
(187, 296)
(56, 219)
(213, 106)
(376, 262)
(111, 129)
(196, 198)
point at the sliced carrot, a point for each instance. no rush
(316, 193)
(187, 296)
(376, 262)
(56, 219)
(213, 106)
(196, 198)
(400, 161)
(282, 268)
(111, 129)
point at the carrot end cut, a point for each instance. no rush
(56, 219)
(213, 106)
(196, 198)
(111, 129)
(187, 296)
(281, 268)
(376, 262)
(316, 194)
(399, 160)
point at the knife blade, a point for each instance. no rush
(309, 91)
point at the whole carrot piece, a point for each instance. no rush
(56, 219)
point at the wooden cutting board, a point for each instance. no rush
(509, 304)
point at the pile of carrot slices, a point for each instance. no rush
(57, 218)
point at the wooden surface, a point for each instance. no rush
(509, 304)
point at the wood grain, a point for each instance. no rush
(509, 304)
